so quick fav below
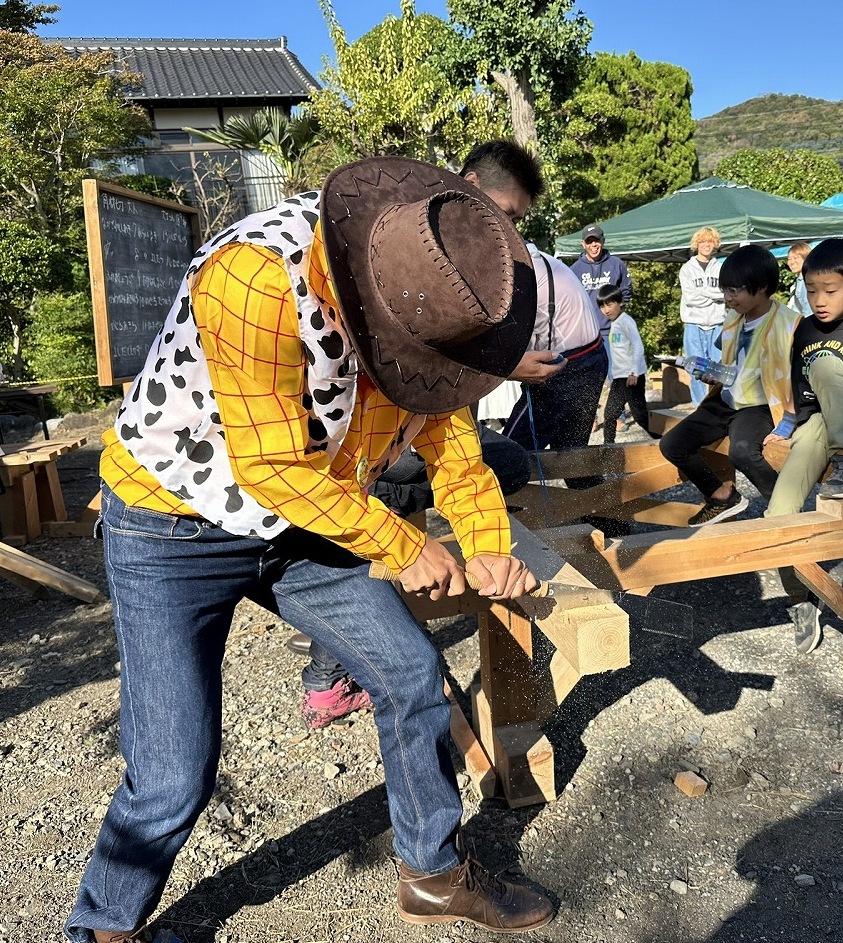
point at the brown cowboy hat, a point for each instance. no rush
(435, 284)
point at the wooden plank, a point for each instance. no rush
(676, 384)
(22, 564)
(29, 453)
(38, 590)
(559, 505)
(614, 459)
(50, 498)
(478, 766)
(819, 582)
(19, 520)
(592, 639)
(714, 550)
(830, 507)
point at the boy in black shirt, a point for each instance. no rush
(817, 375)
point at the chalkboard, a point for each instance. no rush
(139, 248)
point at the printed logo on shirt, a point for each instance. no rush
(812, 352)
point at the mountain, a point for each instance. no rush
(791, 121)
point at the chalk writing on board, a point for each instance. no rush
(146, 247)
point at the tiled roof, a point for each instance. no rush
(193, 69)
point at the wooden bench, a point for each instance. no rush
(32, 497)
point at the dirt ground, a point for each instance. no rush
(296, 843)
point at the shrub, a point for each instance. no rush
(60, 344)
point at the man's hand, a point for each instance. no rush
(772, 437)
(536, 366)
(632, 379)
(501, 577)
(434, 573)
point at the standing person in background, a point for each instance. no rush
(798, 300)
(702, 308)
(629, 369)
(597, 267)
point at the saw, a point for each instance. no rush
(660, 616)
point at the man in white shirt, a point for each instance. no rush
(702, 308)
(564, 406)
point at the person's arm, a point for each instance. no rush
(248, 325)
(626, 283)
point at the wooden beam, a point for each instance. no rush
(554, 684)
(19, 563)
(596, 460)
(714, 550)
(559, 505)
(524, 758)
(592, 639)
(478, 766)
(506, 650)
(819, 582)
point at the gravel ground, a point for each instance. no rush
(295, 845)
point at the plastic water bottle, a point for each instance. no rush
(712, 370)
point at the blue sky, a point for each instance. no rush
(733, 51)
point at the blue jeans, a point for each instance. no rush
(175, 582)
(699, 342)
(563, 409)
(405, 489)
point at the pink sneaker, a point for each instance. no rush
(321, 708)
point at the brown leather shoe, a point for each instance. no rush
(470, 892)
(122, 936)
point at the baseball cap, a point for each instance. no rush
(592, 231)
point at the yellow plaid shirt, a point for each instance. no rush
(248, 324)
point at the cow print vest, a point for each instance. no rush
(168, 421)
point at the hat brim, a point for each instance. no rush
(414, 375)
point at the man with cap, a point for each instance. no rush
(308, 345)
(596, 267)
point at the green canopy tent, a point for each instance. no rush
(661, 231)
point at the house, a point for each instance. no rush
(201, 83)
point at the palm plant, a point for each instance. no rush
(294, 144)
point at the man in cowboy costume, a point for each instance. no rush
(308, 346)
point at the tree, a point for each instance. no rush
(391, 92)
(533, 49)
(633, 120)
(294, 145)
(58, 115)
(799, 174)
(27, 264)
(18, 16)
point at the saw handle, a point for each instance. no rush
(380, 571)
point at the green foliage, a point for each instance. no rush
(655, 306)
(28, 262)
(18, 16)
(391, 92)
(792, 121)
(60, 343)
(58, 114)
(628, 139)
(541, 41)
(802, 175)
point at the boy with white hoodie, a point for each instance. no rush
(702, 308)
